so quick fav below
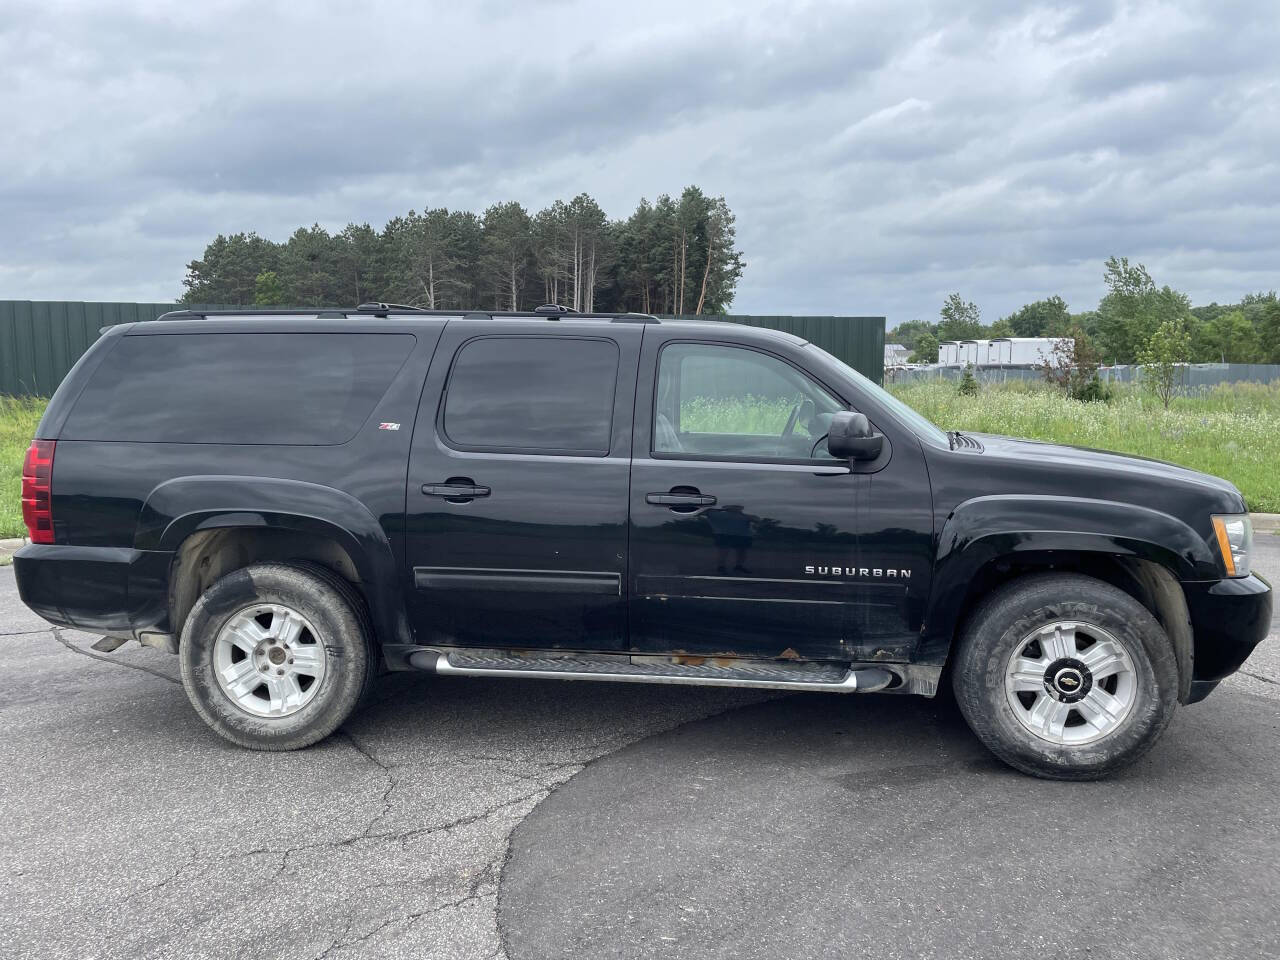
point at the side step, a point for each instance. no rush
(711, 672)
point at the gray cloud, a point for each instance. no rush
(878, 155)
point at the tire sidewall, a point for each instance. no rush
(1003, 625)
(337, 628)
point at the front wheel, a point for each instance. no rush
(276, 656)
(1065, 677)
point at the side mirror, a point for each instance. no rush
(850, 437)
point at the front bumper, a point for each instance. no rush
(112, 590)
(1228, 619)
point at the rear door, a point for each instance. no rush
(518, 484)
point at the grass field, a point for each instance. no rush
(18, 419)
(1232, 431)
(755, 415)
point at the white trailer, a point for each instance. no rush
(1027, 351)
(1000, 352)
(973, 351)
(948, 354)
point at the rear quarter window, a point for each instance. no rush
(240, 388)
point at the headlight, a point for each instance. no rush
(1235, 540)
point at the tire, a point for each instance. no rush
(1065, 724)
(252, 625)
(353, 598)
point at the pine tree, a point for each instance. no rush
(671, 256)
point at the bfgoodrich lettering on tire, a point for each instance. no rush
(276, 656)
(1066, 677)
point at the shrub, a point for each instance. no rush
(1072, 366)
(1094, 390)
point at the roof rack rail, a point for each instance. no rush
(634, 318)
(549, 311)
(382, 309)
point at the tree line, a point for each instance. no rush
(669, 256)
(1133, 318)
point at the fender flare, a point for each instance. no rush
(180, 507)
(986, 529)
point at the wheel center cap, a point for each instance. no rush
(276, 655)
(1068, 680)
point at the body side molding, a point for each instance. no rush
(527, 581)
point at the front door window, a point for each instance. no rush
(726, 402)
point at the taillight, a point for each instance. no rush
(37, 483)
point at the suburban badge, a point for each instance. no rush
(883, 573)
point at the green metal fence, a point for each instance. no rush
(858, 341)
(40, 340)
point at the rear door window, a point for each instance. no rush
(533, 395)
(240, 388)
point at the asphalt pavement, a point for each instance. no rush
(648, 821)
(879, 827)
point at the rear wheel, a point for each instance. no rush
(1066, 677)
(276, 656)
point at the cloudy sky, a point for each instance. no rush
(877, 155)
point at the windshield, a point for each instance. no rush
(915, 422)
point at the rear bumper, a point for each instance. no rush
(112, 590)
(1228, 618)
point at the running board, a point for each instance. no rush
(699, 671)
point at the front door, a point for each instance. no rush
(517, 493)
(742, 526)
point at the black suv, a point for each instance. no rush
(294, 502)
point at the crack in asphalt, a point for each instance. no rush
(152, 887)
(1258, 676)
(392, 782)
(488, 875)
(549, 776)
(341, 943)
(461, 821)
(338, 843)
(364, 751)
(57, 635)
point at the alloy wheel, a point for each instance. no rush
(1071, 683)
(268, 660)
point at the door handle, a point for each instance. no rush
(679, 499)
(455, 490)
